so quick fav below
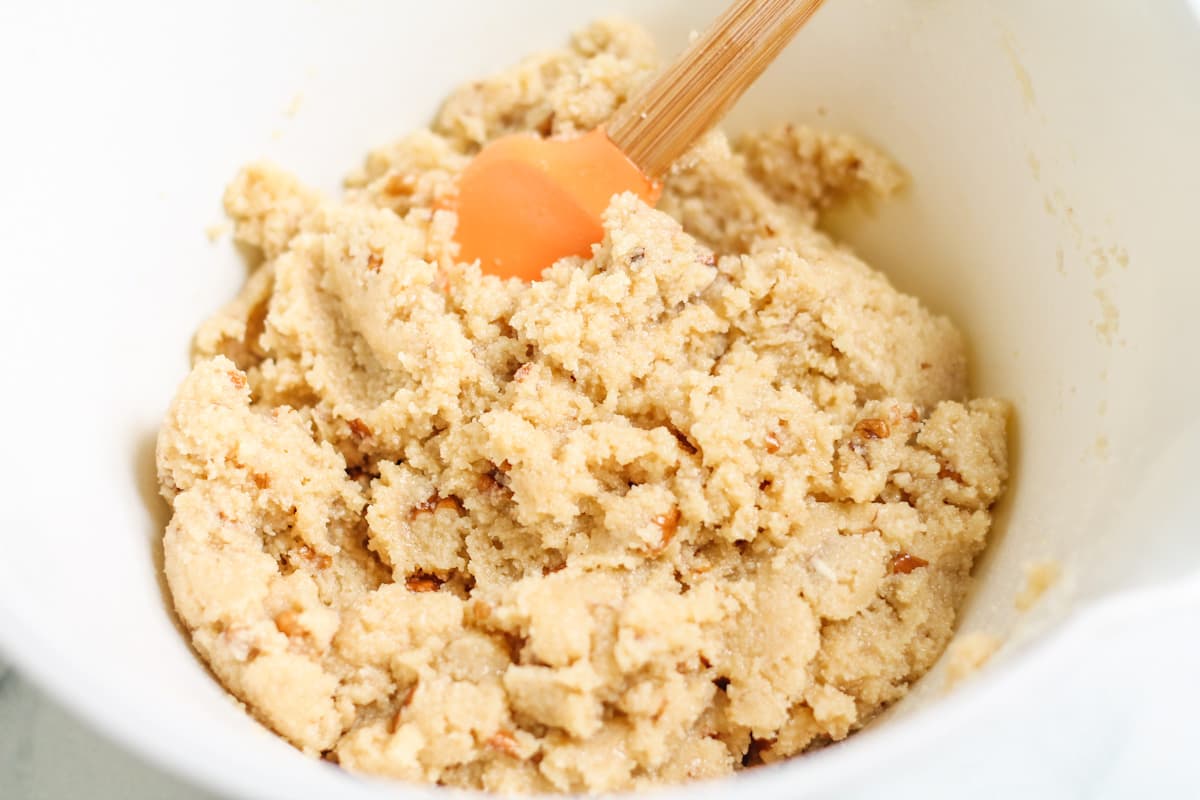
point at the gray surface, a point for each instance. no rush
(46, 755)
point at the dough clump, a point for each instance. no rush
(704, 500)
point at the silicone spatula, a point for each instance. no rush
(524, 202)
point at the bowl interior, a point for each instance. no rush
(1051, 214)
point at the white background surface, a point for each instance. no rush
(1133, 694)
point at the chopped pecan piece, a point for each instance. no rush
(399, 185)
(359, 429)
(435, 502)
(420, 582)
(288, 623)
(315, 559)
(668, 523)
(872, 428)
(945, 471)
(903, 563)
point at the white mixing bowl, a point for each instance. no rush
(1053, 149)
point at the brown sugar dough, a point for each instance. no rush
(708, 498)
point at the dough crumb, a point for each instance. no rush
(218, 230)
(1039, 577)
(293, 106)
(968, 653)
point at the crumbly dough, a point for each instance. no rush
(704, 500)
(1039, 577)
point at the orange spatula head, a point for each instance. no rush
(524, 202)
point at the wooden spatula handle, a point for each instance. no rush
(676, 108)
